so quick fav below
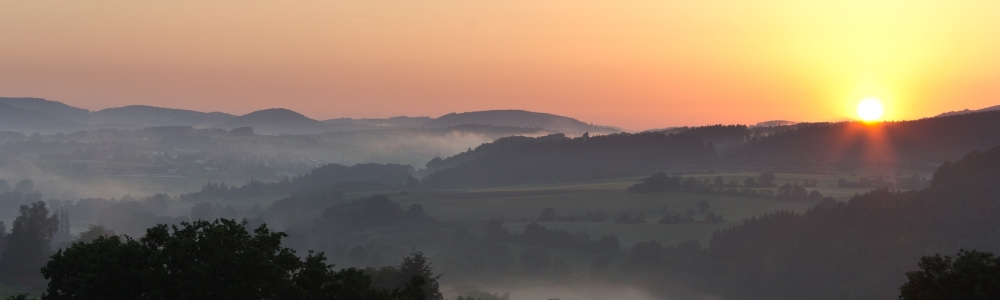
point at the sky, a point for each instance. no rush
(634, 64)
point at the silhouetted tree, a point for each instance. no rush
(93, 232)
(548, 215)
(968, 275)
(28, 244)
(201, 260)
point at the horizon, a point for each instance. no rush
(845, 119)
(500, 150)
(638, 65)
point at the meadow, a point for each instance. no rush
(520, 205)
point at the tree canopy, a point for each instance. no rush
(207, 260)
(971, 275)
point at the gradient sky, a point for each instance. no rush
(635, 64)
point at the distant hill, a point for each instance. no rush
(48, 107)
(922, 143)
(519, 118)
(277, 121)
(30, 121)
(557, 158)
(273, 121)
(967, 111)
(774, 123)
(380, 123)
(157, 116)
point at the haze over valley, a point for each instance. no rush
(509, 150)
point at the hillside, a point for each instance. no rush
(862, 248)
(277, 121)
(382, 123)
(519, 118)
(30, 121)
(156, 116)
(556, 158)
(920, 142)
(968, 111)
(48, 107)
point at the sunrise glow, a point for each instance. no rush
(870, 110)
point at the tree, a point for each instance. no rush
(703, 206)
(202, 211)
(969, 275)
(413, 279)
(93, 232)
(199, 260)
(417, 266)
(3, 238)
(766, 179)
(25, 186)
(548, 215)
(27, 247)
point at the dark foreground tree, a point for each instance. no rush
(27, 246)
(415, 275)
(202, 260)
(970, 275)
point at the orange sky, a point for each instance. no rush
(635, 64)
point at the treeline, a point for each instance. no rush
(330, 177)
(558, 158)
(487, 254)
(858, 249)
(218, 260)
(924, 142)
(517, 160)
(536, 235)
(913, 182)
(12, 197)
(661, 182)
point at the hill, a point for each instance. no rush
(48, 107)
(30, 121)
(381, 123)
(967, 111)
(519, 118)
(556, 158)
(143, 115)
(277, 121)
(926, 142)
(774, 123)
(858, 249)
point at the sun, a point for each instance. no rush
(870, 110)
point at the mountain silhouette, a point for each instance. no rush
(968, 111)
(30, 121)
(144, 115)
(386, 122)
(277, 121)
(49, 107)
(519, 118)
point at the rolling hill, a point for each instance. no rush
(968, 111)
(30, 121)
(519, 118)
(143, 115)
(277, 121)
(48, 107)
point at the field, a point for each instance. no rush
(521, 205)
